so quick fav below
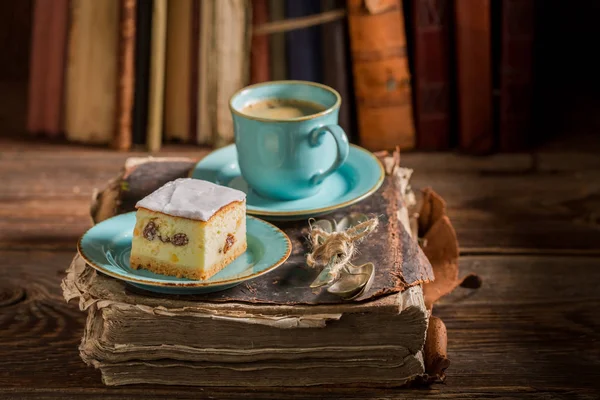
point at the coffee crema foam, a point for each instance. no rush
(282, 109)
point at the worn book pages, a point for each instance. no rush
(277, 341)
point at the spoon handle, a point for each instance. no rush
(325, 277)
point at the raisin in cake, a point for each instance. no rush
(189, 228)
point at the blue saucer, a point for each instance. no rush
(107, 246)
(360, 176)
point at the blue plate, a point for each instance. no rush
(360, 176)
(107, 246)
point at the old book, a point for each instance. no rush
(157, 76)
(178, 79)
(381, 74)
(432, 46)
(233, 59)
(143, 38)
(224, 66)
(47, 67)
(335, 62)
(474, 75)
(126, 75)
(194, 71)
(303, 46)
(277, 60)
(259, 62)
(206, 74)
(516, 72)
(292, 336)
(91, 78)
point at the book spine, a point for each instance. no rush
(143, 35)
(91, 80)
(474, 75)
(303, 46)
(381, 74)
(194, 62)
(38, 58)
(178, 68)
(432, 86)
(206, 68)
(232, 45)
(259, 61)
(157, 76)
(336, 63)
(516, 63)
(278, 65)
(126, 78)
(55, 68)
(47, 66)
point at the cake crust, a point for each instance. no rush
(164, 268)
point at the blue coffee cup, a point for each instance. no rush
(288, 158)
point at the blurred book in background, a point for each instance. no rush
(303, 46)
(47, 67)
(278, 65)
(91, 77)
(178, 76)
(381, 74)
(432, 81)
(517, 29)
(260, 65)
(336, 65)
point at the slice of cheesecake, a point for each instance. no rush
(189, 228)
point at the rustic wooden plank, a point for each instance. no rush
(530, 332)
(491, 206)
(276, 394)
(520, 211)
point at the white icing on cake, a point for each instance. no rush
(190, 198)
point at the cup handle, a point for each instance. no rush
(341, 140)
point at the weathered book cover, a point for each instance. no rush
(178, 82)
(126, 79)
(516, 74)
(91, 79)
(432, 47)
(143, 37)
(381, 74)
(259, 62)
(336, 65)
(47, 67)
(303, 46)
(474, 75)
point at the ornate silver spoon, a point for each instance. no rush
(326, 277)
(353, 281)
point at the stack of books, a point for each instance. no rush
(273, 330)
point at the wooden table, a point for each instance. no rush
(528, 224)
